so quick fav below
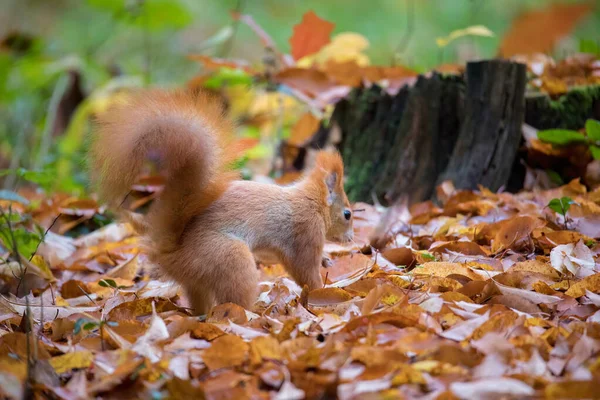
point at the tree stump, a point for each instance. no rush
(491, 131)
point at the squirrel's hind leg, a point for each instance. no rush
(238, 276)
(225, 272)
(201, 300)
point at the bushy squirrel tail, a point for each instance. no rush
(183, 135)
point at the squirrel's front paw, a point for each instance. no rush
(326, 262)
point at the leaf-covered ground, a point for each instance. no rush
(493, 295)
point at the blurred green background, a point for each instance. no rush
(113, 43)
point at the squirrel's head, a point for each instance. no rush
(329, 174)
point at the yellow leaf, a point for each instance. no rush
(344, 47)
(69, 361)
(475, 30)
(443, 269)
(41, 268)
(126, 271)
(263, 348)
(591, 283)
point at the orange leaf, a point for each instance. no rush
(310, 81)
(306, 126)
(226, 351)
(310, 35)
(542, 28)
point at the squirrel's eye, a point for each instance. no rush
(347, 214)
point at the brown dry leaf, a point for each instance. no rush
(310, 81)
(328, 296)
(223, 313)
(400, 256)
(392, 74)
(514, 232)
(591, 283)
(136, 308)
(499, 322)
(15, 343)
(542, 28)
(535, 266)
(264, 348)
(310, 35)
(347, 73)
(206, 331)
(462, 247)
(444, 269)
(572, 390)
(79, 208)
(345, 269)
(226, 351)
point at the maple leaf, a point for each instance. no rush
(542, 28)
(310, 35)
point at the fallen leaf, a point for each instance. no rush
(496, 387)
(443, 269)
(226, 351)
(70, 361)
(328, 296)
(591, 283)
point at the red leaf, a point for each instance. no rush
(310, 35)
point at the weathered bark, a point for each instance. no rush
(491, 132)
(428, 133)
(401, 143)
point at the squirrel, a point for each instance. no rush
(207, 229)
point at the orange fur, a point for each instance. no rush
(206, 230)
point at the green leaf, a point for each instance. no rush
(227, 77)
(12, 196)
(90, 325)
(560, 206)
(555, 177)
(592, 129)
(561, 137)
(107, 283)
(589, 46)
(78, 324)
(595, 150)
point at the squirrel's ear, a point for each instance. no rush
(331, 169)
(331, 182)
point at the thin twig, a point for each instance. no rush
(228, 45)
(44, 235)
(408, 34)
